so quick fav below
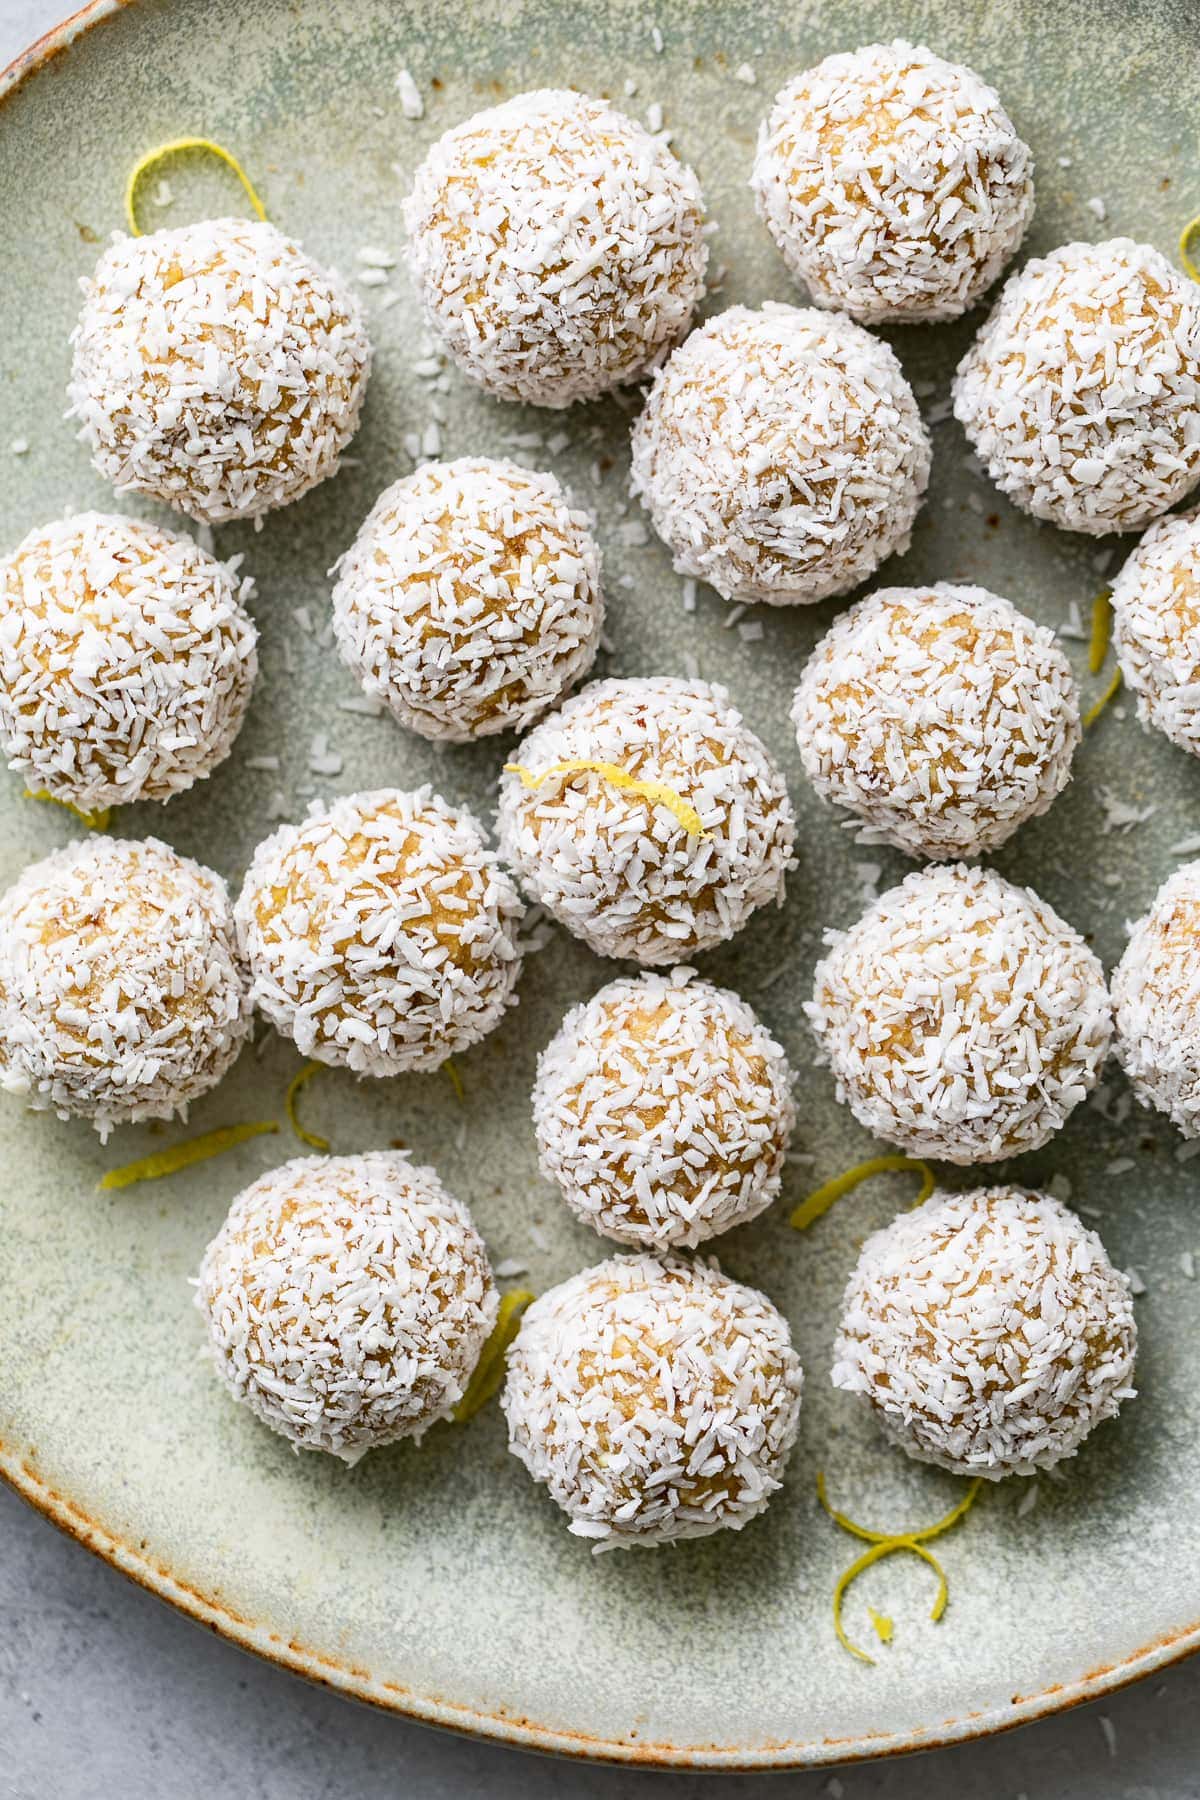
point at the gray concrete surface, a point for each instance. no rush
(105, 1691)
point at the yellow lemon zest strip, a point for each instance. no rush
(889, 1543)
(1093, 712)
(489, 1370)
(1102, 614)
(456, 1080)
(822, 1198)
(299, 1080)
(174, 148)
(656, 791)
(95, 821)
(884, 1626)
(1185, 255)
(182, 1156)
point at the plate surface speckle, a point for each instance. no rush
(436, 1579)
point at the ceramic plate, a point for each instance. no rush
(437, 1580)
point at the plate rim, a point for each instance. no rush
(502, 1727)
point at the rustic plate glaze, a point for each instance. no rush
(438, 1581)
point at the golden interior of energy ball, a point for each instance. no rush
(217, 368)
(122, 995)
(382, 932)
(127, 660)
(347, 1300)
(470, 600)
(556, 245)
(656, 1399)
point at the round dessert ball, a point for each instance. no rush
(988, 1332)
(381, 933)
(662, 1110)
(655, 1398)
(894, 183)
(122, 996)
(781, 455)
(347, 1299)
(1081, 394)
(941, 715)
(217, 368)
(470, 600)
(127, 661)
(962, 1018)
(670, 865)
(1156, 1002)
(1156, 628)
(556, 246)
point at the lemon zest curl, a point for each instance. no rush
(489, 1370)
(821, 1199)
(301, 1079)
(182, 1156)
(175, 148)
(657, 792)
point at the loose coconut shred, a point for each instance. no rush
(556, 246)
(662, 1110)
(122, 996)
(655, 1398)
(470, 600)
(1156, 624)
(1156, 999)
(962, 1018)
(893, 182)
(382, 932)
(620, 870)
(942, 716)
(781, 455)
(988, 1331)
(347, 1300)
(217, 368)
(127, 661)
(1081, 394)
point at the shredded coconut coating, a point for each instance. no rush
(122, 996)
(127, 661)
(381, 933)
(988, 1332)
(347, 1299)
(470, 600)
(662, 1110)
(894, 183)
(557, 247)
(618, 869)
(217, 368)
(962, 1018)
(1156, 628)
(1081, 394)
(1156, 1001)
(655, 1398)
(941, 715)
(781, 455)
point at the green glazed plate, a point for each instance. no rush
(436, 1580)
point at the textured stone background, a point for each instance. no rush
(103, 1690)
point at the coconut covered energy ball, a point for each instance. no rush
(647, 818)
(381, 933)
(127, 661)
(217, 368)
(122, 996)
(557, 247)
(962, 1018)
(1081, 394)
(662, 1110)
(940, 715)
(655, 1398)
(1156, 1002)
(470, 600)
(893, 182)
(1156, 628)
(988, 1332)
(347, 1299)
(781, 455)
